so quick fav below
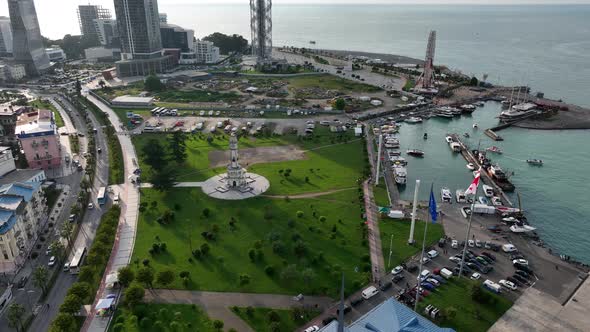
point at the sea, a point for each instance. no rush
(546, 47)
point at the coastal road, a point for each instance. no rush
(88, 227)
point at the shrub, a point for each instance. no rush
(244, 279)
(300, 214)
(269, 270)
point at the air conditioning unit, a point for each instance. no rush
(428, 309)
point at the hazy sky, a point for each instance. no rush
(58, 17)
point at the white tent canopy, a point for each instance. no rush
(104, 304)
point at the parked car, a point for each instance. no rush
(411, 268)
(425, 260)
(475, 276)
(507, 284)
(22, 282)
(482, 260)
(513, 280)
(522, 273)
(52, 261)
(471, 243)
(387, 285)
(442, 242)
(524, 281)
(478, 243)
(355, 302)
(428, 286)
(520, 262)
(48, 251)
(313, 328)
(433, 281)
(487, 259)
(432, 254)
(90, 206)
(455, 259)
(397, 270)
(525, 268)
(66, 267)
(487, 254)
(397, 278)
(454, 244)
(347, 309)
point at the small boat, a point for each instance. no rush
(483, 200)
(456, 147)
(496, 201)
(460, 196)
(425, 136)
(415, 153)
(521, 229)
(488, 191)
(475, 126)
(494, 149)
(414, 119)
(466, 135)
(480, 104)
(466, 211)
(535, 162)
(445, 195)
(449, 139)
(312, 42)
(470, 166)
(400, 174)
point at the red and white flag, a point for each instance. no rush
(473, 186)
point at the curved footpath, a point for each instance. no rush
(125, 238)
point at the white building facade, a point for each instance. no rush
(204, 52)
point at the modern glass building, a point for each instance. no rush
(28, 46)
(86, 16)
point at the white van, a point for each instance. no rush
(446, 273)
(509, 248)
(369, 292)
(116, 199)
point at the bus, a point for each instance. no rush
(102, 196)
(78, 260)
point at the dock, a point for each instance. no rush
(486, 178)
(491, 133)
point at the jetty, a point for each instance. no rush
(487, 179)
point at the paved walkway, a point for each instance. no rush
(217, 304)
(125, 239)
(310, 195)
(178, 185)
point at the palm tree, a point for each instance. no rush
(41, 277)
(15, 315)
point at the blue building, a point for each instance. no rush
(389, 316)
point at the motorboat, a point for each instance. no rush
(445, 195)
(521, 229)
(425, 136)
(497, 172)
(414, 119)
(475, 126)
(483, 200)
(480, 104)
(312, 42)
(449, 139)
(488, 191)
(467, 108)
(400, 174)
(445, 115)
(397, 160)
(415, 153)
(535, 162)
(506, 209)
(456, 147)
(466, 135)
(496, 201)
(460, 196)
(510, 220)
(466, 211)
(470, 166)
(494, 149)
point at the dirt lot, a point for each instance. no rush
(258, 155)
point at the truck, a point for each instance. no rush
(483, 209)
(492, 286)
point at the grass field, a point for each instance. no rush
(276, 249)
(400, 229)
(180, 96)
(331, 167)
(59, 121)
(329, 82)
(471, 315)
(381, 196)
(152, 317)
(289, 320)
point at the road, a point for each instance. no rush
(88, 228)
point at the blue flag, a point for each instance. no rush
(432, 207)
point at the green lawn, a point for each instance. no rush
(259, 319)
(270, 228)
(330, 167)
(329, 82)
(381, 196)
(153, 317)
(471, 315)
(400, 229)
(43, 104)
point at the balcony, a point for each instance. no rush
(46, 157)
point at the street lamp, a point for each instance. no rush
(390, 251)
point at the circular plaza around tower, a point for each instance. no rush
(237, 183)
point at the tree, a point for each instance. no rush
(308, 276)
(145, 275)
(205, 249)
(71, 304)
(163, 179)
(66, 231)
(41, 278)
(165, 277)
(218, 325)
(450, 312)
(63, 322)
(133, 295)
(57, 249)
(178, 147)
(228, 44)
(14, 314)
(126, 276)
(154, 154)
(153, 84)
(290, 272)
(78, 87)
(340, 104)
(244, 279)
(273, 316)
(80, 289)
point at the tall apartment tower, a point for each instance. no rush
(261, 26)
(27, 44)
(141, 42)
(139, 28)
(86, 16)
(5, 36)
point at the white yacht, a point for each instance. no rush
(400, 173)
(445, 195)
(414, 119)
(449, 139)
(488, 191)
(456, 147)
(460, 196)
(470, 166)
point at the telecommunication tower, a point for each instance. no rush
(426, 80)
(261, 26)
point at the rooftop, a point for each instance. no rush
(19, 175)
(133, 100)
(7, 220)
(39, 121)
(389, 316)
(26, 190)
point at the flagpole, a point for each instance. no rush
(422, 256)
(468, 229)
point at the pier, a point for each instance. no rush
(470, 158)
